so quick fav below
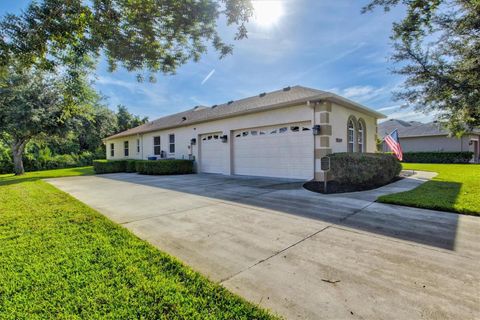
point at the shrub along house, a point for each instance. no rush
(278, 134)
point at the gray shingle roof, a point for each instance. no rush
(411, 128)
(271, 100)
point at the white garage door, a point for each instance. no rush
(213, 153)
(284, 151)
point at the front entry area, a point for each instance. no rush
(281, 151)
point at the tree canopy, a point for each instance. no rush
(34, 102)
(437, 49)
(152, 35)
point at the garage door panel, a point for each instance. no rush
(213, 154)
(288, 154)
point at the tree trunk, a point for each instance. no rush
(17, 148)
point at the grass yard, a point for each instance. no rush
(456, 188)
(61, 259)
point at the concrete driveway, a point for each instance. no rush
(302, 255)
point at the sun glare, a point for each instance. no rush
(267, 12)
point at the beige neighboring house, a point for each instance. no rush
(423, 137)
(277, 134)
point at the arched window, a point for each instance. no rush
(350, 136)
(361, 136)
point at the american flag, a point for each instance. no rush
(394, 144)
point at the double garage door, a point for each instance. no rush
(284, 151)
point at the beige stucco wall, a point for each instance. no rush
(435, 143)
(441, 144)
(183, 135)
(340, 116)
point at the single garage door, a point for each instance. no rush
(213, 153)
(284, 151)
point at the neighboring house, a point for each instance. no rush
(417, 137)
(278, 134)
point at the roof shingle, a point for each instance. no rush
(252, 104)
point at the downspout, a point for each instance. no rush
(141, 141)
(314, 142)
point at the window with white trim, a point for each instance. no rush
(361, 137)
(351, 136)
(125, 148)
(156, 146)
(112, 149)
(171, 141)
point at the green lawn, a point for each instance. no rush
(456, 188)
(61, 259)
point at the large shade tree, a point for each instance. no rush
(68, 35)
(140, 35)
(437, 49)
(36, 103)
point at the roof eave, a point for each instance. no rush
(324, 96)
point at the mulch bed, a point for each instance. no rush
(336, 187)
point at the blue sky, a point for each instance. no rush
(323, 44)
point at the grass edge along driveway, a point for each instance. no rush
(456, 188)
(61, 259)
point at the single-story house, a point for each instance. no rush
(430, 137)
(283, 134)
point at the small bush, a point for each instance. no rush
(364, 168)
(164, 167)
(109, 166)
(438, 157)
(130, 166)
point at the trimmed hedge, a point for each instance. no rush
(109, 166)
(164, 167)
(130, 165)
(367, 169)
(438, 157)
(153, 167)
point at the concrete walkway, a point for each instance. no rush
(301, 254)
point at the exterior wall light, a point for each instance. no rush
(193, 141)
(316, 130)
(224, 138)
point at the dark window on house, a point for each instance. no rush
(361, 137)
(254, 132)
(305, 129)
(238, 135)
(156, 146)
(283, 130)
(171, 140)
(245, 133)
(350, 136)
(215, 137)
(273, 131)
(138, 145)
(125, 148)
(295, 129)
(262, 133)
(112, 149)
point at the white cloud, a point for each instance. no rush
(208, 76)
(408, 114)
(337, 57)
(151, 93)
(362, 94)
(389, 108)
